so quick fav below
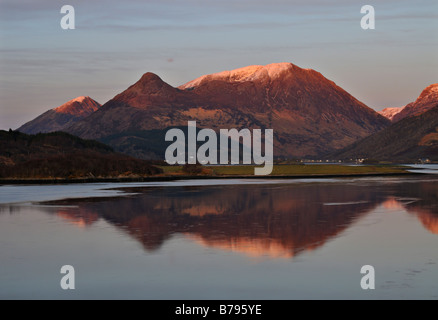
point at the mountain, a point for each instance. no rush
(310, 115)
(412, 136)
(61, 155)
(426, 101)
(59, 118)
(407, 140)
(390, 113)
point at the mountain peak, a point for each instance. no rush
(79, 107)
(150, 77)
(149, 82)
(80, 99)
(58, 119)
(149, 90)
(256, 73)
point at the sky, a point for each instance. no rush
(43, 66)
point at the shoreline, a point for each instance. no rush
(197, 177)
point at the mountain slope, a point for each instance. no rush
(310, 114)
(426, 101)
(407, 140)
(59, 118)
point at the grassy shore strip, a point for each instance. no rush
(309, 170)
(288, 170)
(173, 173)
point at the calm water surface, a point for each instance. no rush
(222, 239)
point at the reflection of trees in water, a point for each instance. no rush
(277, 220)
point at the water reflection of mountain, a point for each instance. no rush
(274, 220)
(421, 199)
(80, 217)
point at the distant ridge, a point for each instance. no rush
(390, 113)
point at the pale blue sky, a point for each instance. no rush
(115, 42)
